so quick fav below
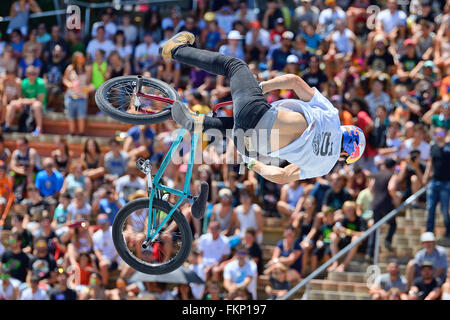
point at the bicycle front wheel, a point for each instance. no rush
(172, 244)
(136, 100)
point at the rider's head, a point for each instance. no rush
(353, 143)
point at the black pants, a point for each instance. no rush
(249, 103)
(392, 228)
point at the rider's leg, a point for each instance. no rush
(249, 103)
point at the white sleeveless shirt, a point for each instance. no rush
(318, 149)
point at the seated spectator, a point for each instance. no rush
(118, 66)
(61, 291)
(6, 187)
(55, 40)
(431, 252)
(74, 42)
(288, 252)
(61, 215)
(116, 160)
(19, 12)
(109, 26)
(93, 160)
(390, 18)
(80, 242)
(29, 59)
(427, 286)
(96, 288)
(11, 89)
(222, 212)
(77, 179)
(335, 196)
(214, 249)
(34, 292)
(16, 41)
(42, 35)
(35, 207)
(139, 142)
(313, 75)
(100, 42)
(26, 236)
(98, 71)
(233, 46)
(381, 289)
(62, 156)
(8, 290)
(289, 197)
(49, 181)
(43, 264)
(240, 273)
(129, 30)
(346, 230)
(212, 34)
(105, 252)
(277, 57)
(79, 208)
(279, 285)
(249, 215)
(34, 99)
(322, 245)
(7, 60)
(130, 183)
(53, 72)
(78, 87)
(380, 59)
(146, 55)
(254, 250)
(14, 256)
(108, 203)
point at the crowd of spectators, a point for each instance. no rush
(387, 73)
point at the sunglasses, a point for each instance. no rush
(5, 276)
(12, 241)
(440, 134)
(242, 253)
(100, 221)
(41, 244)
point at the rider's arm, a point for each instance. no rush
(276, 174)
(289, 82)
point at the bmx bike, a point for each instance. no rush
(151, 234)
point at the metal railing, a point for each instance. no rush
(368, 232)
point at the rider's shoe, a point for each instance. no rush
(181, 38)
(186, 118)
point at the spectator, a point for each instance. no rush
(277, 58)
(257, 41)
(431, 252)
(19, 13)
(225, 18)
(34, 95)
(8, 290)
(426, 287)
(279, 285)
(26, 240)
(61, 215)
(74, 43)
(240, 273)
(15, 258)
(77, 179)
(324, 228)
(254, 250)
(24, 162)
(380, 290)
(92, 160)
(62, 156)
(446, 288)
(130, 183)
(108, 25)
(80, 244)
(335, 196)
(222, 212)
(61, 291)
(105, 252)
(417, 142)
(271, 14)
(129, 30)
(328, 17)
(214, 249)
(35, 207)
(249, 215)
(78, 87)
(288, 252)
(290, 195)
(121, 47)
(345, 231)
(233, 46)
(439, 186)
(49, 181)
(29, 59)
(380, 60)
(306, 11)
(116, 160)
(110, 204)
(139, 142)
(42, 35)
(98, 72)
(99, 43)
(96, 288)
(34, 292)
(43, 264)
(53, 72)
(56, 39)
(377, 97)
(313, 76)
(390, 18)
(79, 208)
(146, 55)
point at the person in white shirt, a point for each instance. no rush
(197, 289)
(306, 131)
(240, 273)
(34, 292)
(390, 18)
(417, 142)
(100, 42)
(128, 29)
(225, 18)
(130, 183)
(214, 249)
(328, 17)
(146, 55)
(110, 27)
(104, 249)
(257, 40)
(343, 38)
(244, 14)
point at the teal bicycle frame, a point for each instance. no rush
(151, 231)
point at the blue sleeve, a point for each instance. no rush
(38, 181)
(149, 133)
(134, 132)
(59, 181)
(101, 205)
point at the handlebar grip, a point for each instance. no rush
(199, 207)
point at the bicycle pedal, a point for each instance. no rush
(165, 197)
(144, 165)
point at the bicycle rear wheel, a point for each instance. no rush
(136, 100)
(173, 243)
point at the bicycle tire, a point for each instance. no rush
(130, 259)
(138, 119)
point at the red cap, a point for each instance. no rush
(255, 24)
